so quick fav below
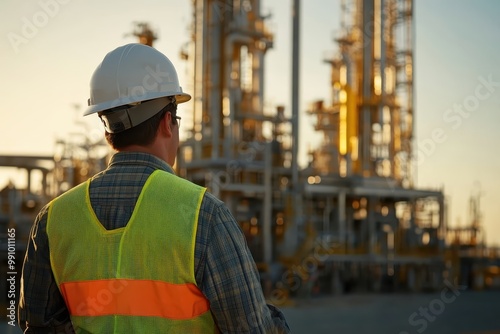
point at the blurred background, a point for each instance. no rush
(354, 141)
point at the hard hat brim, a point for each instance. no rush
(180, 98)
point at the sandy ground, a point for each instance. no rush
(458, 312)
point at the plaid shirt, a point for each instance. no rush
(224, 268)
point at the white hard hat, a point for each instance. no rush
(132, 74)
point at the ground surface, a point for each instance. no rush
(440, 313)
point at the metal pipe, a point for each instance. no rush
(291, 237)
(342, 216)
(268, 199)
(214, 86)
(367, 91)
(199, 64)
(295, 90)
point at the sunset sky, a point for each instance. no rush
(49, 49)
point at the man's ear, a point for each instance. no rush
(166, 125)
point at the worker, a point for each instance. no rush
(137, 249)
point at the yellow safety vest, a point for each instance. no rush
(135, 279)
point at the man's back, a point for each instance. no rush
(223, 267)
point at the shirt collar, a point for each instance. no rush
(140, 158)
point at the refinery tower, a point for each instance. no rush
(354, 204)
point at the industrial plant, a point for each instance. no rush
(351, 219)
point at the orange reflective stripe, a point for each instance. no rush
(134, 297)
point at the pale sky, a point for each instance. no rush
(49, 49)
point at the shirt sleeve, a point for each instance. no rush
(230, 280)
(41, 305)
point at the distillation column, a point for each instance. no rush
(229, 151)
(364, 163)
(230, 44)
(369, 123)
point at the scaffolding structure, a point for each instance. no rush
(44, 178)
(362, 197)
(356, 197)
(237, 150)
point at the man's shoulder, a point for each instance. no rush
(70, 194)
(211, 207)
(171, 175)
(211, 199)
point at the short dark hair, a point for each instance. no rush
(142, 134)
